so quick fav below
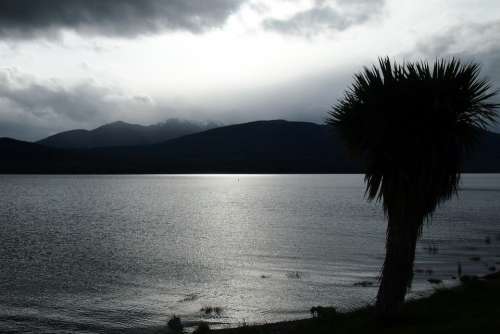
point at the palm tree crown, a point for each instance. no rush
(412, 125)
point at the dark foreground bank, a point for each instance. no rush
(473, 306)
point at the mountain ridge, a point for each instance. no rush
(275, 146)
(121, 133)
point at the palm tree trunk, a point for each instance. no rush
(397, 272)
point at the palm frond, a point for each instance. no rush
(412, 125)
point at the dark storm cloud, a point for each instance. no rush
(326, 16)
(32, 18)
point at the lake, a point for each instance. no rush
(94, 254)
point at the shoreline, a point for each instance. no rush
(473, 304)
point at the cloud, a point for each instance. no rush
(31, 109)
(471, 42)
(476, 42)
(50, 100)
(469, 38)
(326, 16)
(123, 18)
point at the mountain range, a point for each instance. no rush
(125, 134)
(275, 146)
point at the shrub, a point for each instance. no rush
(202, 328)
(175, 324)
(323, 313)
(468, 279)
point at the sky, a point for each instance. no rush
(71, 64)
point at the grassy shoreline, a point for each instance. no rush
(471, 306)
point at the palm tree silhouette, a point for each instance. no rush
(411, 125)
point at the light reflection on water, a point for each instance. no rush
(93, 253)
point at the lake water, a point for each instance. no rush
(97, 254)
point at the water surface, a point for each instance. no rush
(93, 254)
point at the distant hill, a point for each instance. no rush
(263, 146)
(125, 134)
(257, 147)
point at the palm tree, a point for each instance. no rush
(411, 125)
